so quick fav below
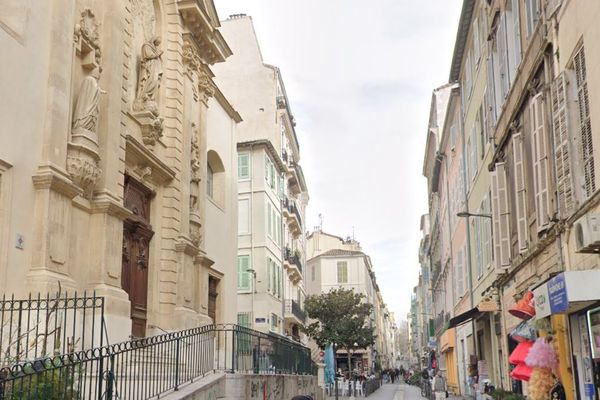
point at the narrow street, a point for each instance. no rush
(392, 391)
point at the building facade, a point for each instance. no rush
(526, 72)
(272, 192)
(334, 262)
(105, 160)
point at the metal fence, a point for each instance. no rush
(146, 368)
(46, 325)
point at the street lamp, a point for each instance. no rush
(466, 214)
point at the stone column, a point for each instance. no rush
(54, 189)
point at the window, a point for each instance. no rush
(486, 234)
(513, 35)
(215, 178)
(476, 44)
(312, 273)
(244, 319)
(541, 166)
(243, 274)
(243, 216)
(270, 175)
(453, 136)
(531, 8)
(274, 322)
(342, 271)
(460, 273)
(500, 217)
(585, 123)
(243, 166)
(210, 183)
(520, 191)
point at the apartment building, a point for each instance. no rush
(527, 118)
(106, 153)
(272, 192)
(334, 262)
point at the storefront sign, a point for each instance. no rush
(557, 294)
(542, 303)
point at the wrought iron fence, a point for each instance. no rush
(46, 325)
(146, 368)
(371, 385)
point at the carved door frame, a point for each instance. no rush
(137, 234)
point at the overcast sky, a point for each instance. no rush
(359, 76)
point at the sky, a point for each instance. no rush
(359, 77)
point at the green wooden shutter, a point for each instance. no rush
(243, 166)
(243, 275)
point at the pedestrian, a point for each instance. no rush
(439, 386)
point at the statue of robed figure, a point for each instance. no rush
(150, 75)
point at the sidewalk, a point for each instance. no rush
(396, 391)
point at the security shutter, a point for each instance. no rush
(540, 162)
(585, 123)
(520, 191)
(501, 217)
(562, 152)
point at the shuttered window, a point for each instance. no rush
(540, 162)
(460, 273)
(342, 272)
(502, 58)
(585, 123)
(243, 274)
(243, 319)
(243, 166)
(501, 217)
(562, 150)
(520, 190)
(513, 38)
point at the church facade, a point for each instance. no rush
(117, 152)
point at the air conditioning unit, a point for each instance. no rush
(587, 234)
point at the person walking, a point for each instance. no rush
(439, 386)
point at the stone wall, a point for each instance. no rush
(271, 387)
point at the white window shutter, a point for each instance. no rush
(501, 217)
(520, 191)
(562, 151)
(540, 162)
(502, 57)
(585, 124)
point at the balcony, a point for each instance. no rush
(292, 263)
(295, 312)
(292, 214)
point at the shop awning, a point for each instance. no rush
(464, 317)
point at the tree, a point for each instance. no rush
(342, 318)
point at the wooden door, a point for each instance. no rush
(137, 234)
(212, 298)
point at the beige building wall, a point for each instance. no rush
(272, 191)
(137, 164)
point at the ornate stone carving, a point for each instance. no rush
(82, 151)
(205, 85)
(191, 59)
(142, 12)
(196, 233)
(87, 39)
(85, 113)
(82, 166)
(195, 173)
(149, 77)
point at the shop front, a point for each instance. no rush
(575, 295)
(447, 347)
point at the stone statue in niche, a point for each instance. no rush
(150, 75)
(195, 172)
(85, 113)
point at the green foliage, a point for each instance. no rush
(500, 394)
(51, 384)
(342, 317)
(414, 379)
